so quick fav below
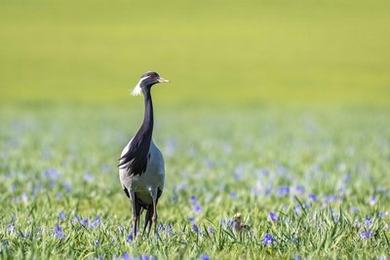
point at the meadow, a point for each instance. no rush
(277, 110)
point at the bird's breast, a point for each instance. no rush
(151, 179)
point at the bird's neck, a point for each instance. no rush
(147, 125)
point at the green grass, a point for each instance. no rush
(234, 162)
(264, 95)
(328, 52)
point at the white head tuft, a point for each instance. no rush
(137, 89)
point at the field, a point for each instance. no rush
(277, 110)
(325, 175)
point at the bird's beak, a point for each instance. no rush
(162, 80)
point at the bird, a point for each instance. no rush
(237, 224)
(141, 164)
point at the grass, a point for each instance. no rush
(327, 52)
(57, 161)
(275, 106)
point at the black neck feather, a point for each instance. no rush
(136, 158)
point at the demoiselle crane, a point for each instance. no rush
(141, 165)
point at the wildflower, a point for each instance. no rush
(197, 208)
(96, 222)
(227, 223)
(195, 228)
(167, 229)
(283, 191)
(211, 230)
(373, 200)
(67, 186)
(84, 222)
(129, 238)
(268, 239)
(204, 257)
(313, 197)
(366, 234)
(125, 256)
(62, 216)
(58, 232)
(330, 198)
(233, 194)
(273, 217)
(354, 210)
(51, 174)
(367, 221)
(88, 177)
(146, 257)
(193, 199)
(195, 204)
(300, 189)
(280, 169)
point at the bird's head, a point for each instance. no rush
(146, 81)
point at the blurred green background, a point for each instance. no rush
(215, 52)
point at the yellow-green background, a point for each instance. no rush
(215, 52)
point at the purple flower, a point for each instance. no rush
(96, 222)
(67, 186)
(354, 210)
(233, 194)
(366, 234)
(367, 221)
(197, 208)
(62, 216)
(313, 197)
(373, 200)
(129, 238)
(51, 174)
(125, 256)
(193, 199)
(330, 198)
(268, 239)
(283, 191)
(58, 232)
(195, 204)
(204, 257)
(227, 223)
(211, 230)
(83, 221)
(167, 229)
(300, 189)
(88, 177)
(195, 228)
(273, 217)
(191, 219)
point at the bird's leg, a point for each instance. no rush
(140, 210)
(148, 220)
(135, 218)
(154, 218)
